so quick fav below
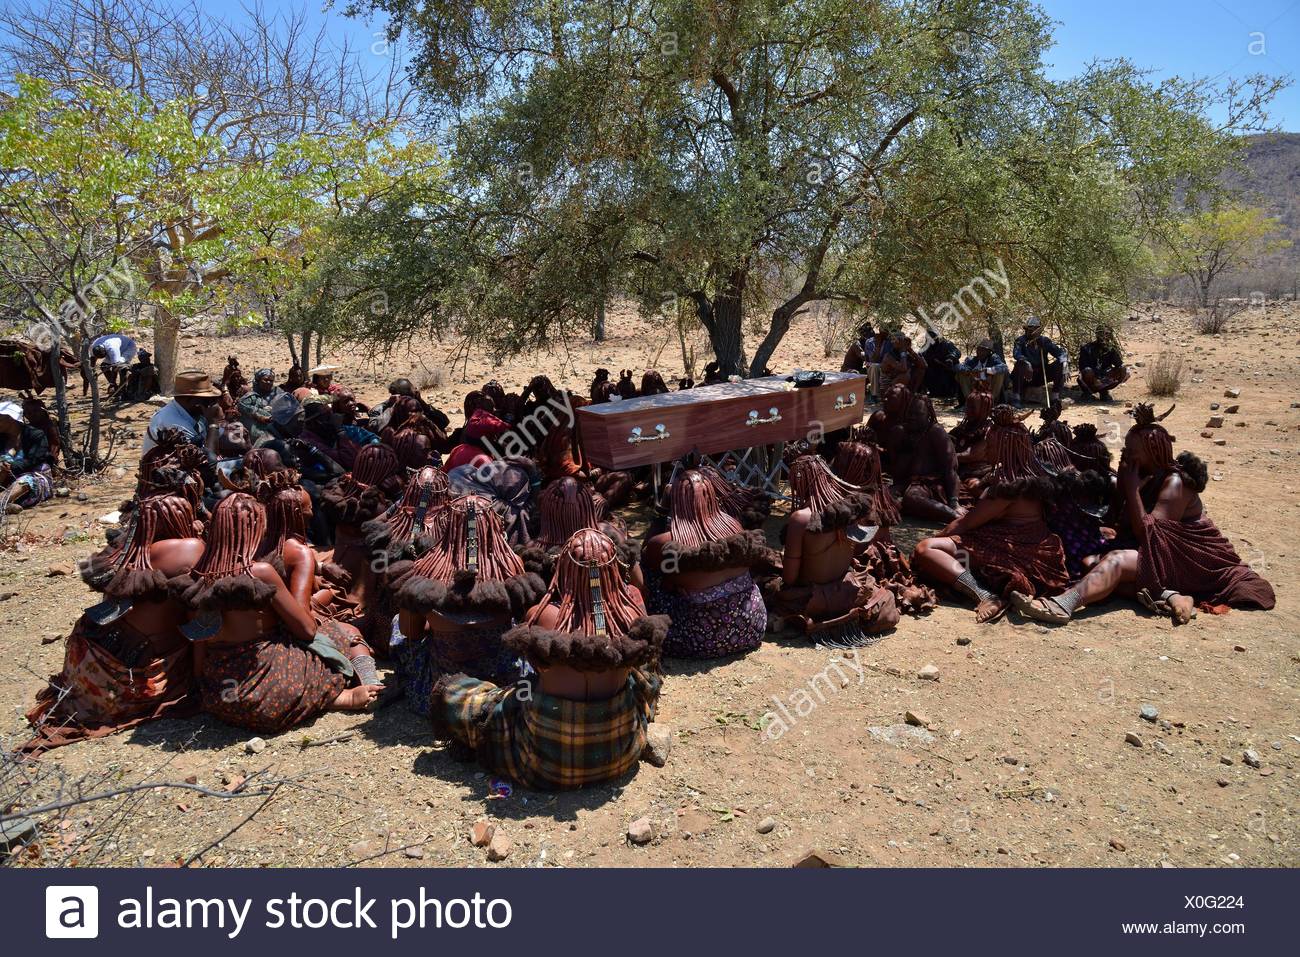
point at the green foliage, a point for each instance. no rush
(760, 155)
(1206, 243)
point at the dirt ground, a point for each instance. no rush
(1025, 762)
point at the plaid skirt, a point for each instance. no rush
(421, 661)
(543, 742)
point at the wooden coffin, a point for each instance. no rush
(717, 418)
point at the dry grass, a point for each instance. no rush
(427, 378)
(1165, 374)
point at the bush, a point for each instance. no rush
(1165, 375)
(1215, 319)
(429, 378)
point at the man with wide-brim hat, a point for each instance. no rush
(1039, 362)
(193, 411)
(322, 379)
(986, 365)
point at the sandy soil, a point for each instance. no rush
(1025, 762)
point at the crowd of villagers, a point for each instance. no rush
(274, 552)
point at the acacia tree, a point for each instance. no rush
(1204, 245)
(252, 88)
(766, 154)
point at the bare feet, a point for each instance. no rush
(991, 609)
(1182, 608)
(356, 699)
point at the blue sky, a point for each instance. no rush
(1203, 38)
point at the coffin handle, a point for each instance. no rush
(659, 433)
(843, 403)
(773, 415)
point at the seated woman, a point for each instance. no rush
(582, 719)
(919, 455)
(25, 461)
(857, 462)
(970, 441)
(1076, 510)
(697, 572)
(126, 661)
(262, 661)
(1088, 451)
(1005, 536)
(834, 602)
(508, 483)
(747, 506)
(351, 501)
(565, 507)
(481, 428)
(1053, 426)
(1181, 561)
(457, 599)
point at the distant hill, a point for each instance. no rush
(1271, 179)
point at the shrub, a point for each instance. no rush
(1165, 374)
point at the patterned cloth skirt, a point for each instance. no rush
(28, 489)
(421, 661)
(725, 619)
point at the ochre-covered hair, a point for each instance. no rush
(467, 565)
(223, 579)
(1053, 427)
(123, 570)
(563, 507)
(746, 505)
(857, 462)
(427, 490)
(834, 503)
(652, 383)
(365, 491)
(697, 516)
(1148, 431)
(1017, 473)
(281, 496)
(1088, 450)
(601, 623)
(1054, 455)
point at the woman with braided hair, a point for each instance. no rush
(970, 441)
(698, 572)
(821, 590)
(261, 660)
(747, 506)
(375, 481)
(857, 463)
(1088, 451)
(1182, 561)
(1053, 426)
(565, 507)
(465, 590)
(1004, 537)
(919, 455)
(126, 660)
(582, 718)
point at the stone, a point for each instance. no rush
(1238, 647)
(964, 640)
(1207, 435)
(1116, 843)
(917, 718)
(59, 569)
(816, 857)
(480, 835)
(641, 831)
(766, 826)
(499, 847)
(1161, 747)
(1231, 410)
(1216, 422)
(658, 742)
(1232, 393)
(929, 673)
(1224, 759)
(1251, 757)
(414, 852)
(1223, 782)
(255, 745)
(17, 833)
(1220, 441)
(1214, 407)
(1133, 739)
(1149, 712)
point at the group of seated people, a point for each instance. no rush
(888, 358)
(518, 613)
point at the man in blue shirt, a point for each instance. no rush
(986, 365)
(1039, 360)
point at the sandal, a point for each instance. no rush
(1156, 605)
(1040, 609)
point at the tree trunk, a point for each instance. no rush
(319, 340)
(60, 393)
(305, 350)
(599, 335)
(90, 462)
(166, 345)
(293, 349)
(781, 317)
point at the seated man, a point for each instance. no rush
(1178, 561)
(126, 661)
(698, 572)
(582, 719)
(457, 600)
(263, 661)
(984, 369)
(864, 354)
(141, 379)
(919, 455)
(194, 412)
(835, 603)
(942, 359)
(1039, 362)
(857, 462)
(25, 461)
(1004, 539)
(1101, 365)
